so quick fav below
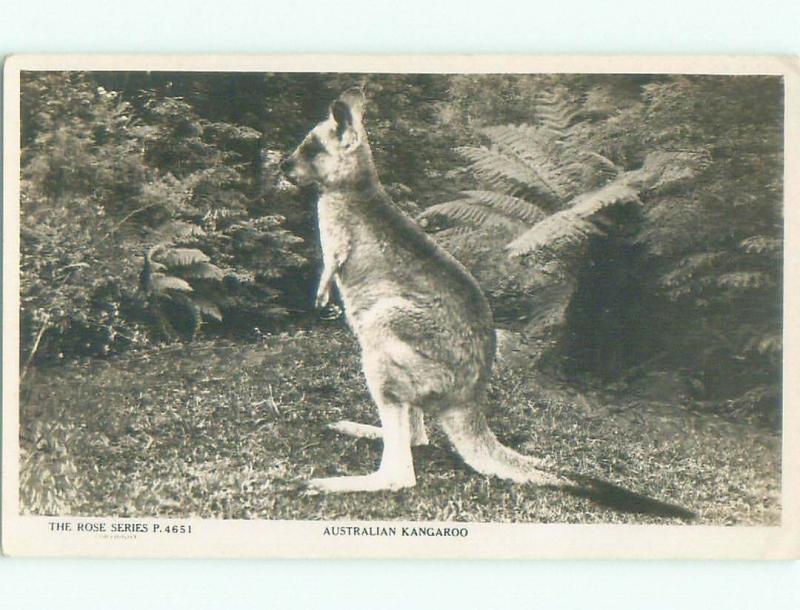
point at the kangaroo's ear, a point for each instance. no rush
(343, 116)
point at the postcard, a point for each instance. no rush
(401, 306)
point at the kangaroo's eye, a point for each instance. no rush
(313, 148)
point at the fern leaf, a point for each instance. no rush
(560, 229)
(743, 279)
(614, 193)
(543, 153)
(178, 230)
(460, 211)
(604, 162)
(762, 244)
(483, 208)
(162, 283)
(471, 213)
(665, 168)
(204, 270)
(513, 207)
(208, 308)
(505, 171)
(770, 344)
(688, 268)
(555, 109)
(183, 257)
(573, 225)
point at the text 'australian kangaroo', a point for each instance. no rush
(424, 327)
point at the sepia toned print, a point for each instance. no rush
(398, 311)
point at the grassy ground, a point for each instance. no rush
(229, 430)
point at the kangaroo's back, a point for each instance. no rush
(388, 255)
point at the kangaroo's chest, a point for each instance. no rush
(337, 229)
(348, 237)
(359, 251)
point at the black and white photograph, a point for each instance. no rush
(396, 307)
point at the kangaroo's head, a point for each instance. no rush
(335, 154)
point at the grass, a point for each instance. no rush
(227, 430)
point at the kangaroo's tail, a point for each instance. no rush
(474, 441)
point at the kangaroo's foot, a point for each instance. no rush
(377, 481)
(419, 437)
(397, 466)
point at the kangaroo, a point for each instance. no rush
(423, 324)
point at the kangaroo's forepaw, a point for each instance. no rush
(322, 300)
(419, 437)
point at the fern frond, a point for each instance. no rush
(514, 207)
(483, 209)
(560, 229)
(469, 212)
(160, 283)
(762, 244)
(503, 170)
(770, 344)
(743, 279)
(670, 225)
(203, 270)
(573, 225)
(688, 268)
(208, 308)
(562, 163)
(551, 160)
(665, 168)
(183, 257)
(177, 230)
(614, 193)
(555, 108)
(606, 164)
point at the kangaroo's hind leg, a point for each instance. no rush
(396, 377)
(396, 468)
(419, 436)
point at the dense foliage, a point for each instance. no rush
(111, 182)
(647, 212)
(628, 227)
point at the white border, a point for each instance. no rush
(218, 538)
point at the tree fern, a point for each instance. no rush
(552, 191)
